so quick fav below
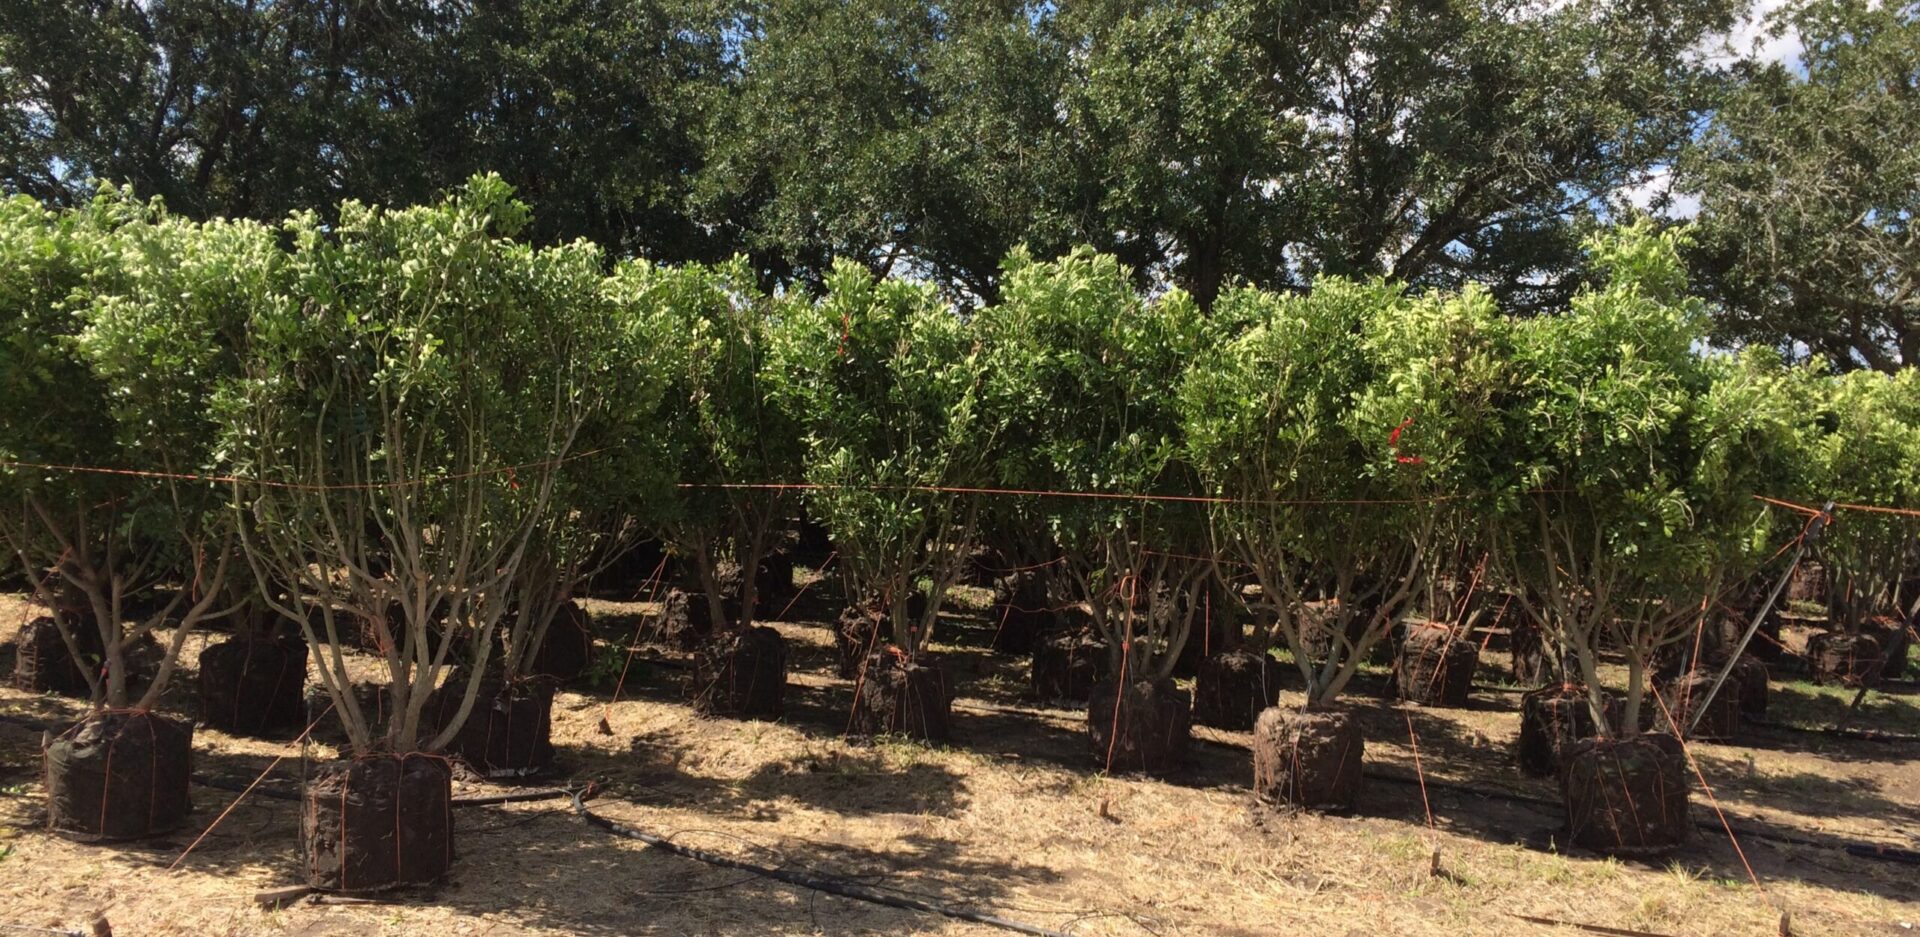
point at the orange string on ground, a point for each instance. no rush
(243, 794)
(652, 584)
(1417, 772)
(1712, 800)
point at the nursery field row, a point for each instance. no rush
(1020, 793)
(410, 433)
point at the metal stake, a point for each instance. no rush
(1812, 534)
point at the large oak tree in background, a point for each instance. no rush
(1435, 142)
(255, 108)
(1438, 142)
(1809, 184)
(905, 135)
(1264, 140)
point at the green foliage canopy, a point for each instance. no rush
(886, 382)
(1809, 185)
(1086, 373)
(121, 319)
(1632, 506)
(412, 403)
(719, 425)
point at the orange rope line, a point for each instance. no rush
(40, 588)
(801, 486)
(1815, 512)
(1699, 636)
(1021, 569)
(1197, 558)
(860, 676)
(1120, 692)
(1497, 618)
(1903, 512)
(1127, 590)
(1460, 611)
(803, 589)
(1028, 492)
(1417, 772)
(243, 794)
(1792, 506)
(633, 645)
(295, 486)
(1687, 751)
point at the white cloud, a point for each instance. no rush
(1750, 39)
(1656, 195)
(1751, 35)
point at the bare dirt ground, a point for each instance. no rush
(1015, 819)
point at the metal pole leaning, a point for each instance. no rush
(1811, 534)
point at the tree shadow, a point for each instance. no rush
(1446, 747)
(1796, 703)
(859, 783)
(1536, 822)
(1798, 740)
(595, 883)
(1001, 679)
(901, 778)
(538, 865)
(1476, 790)
(837, 780)
(226, 834)
(1808, 793)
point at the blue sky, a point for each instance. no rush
(1747, 39)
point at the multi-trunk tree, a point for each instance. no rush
(120, 319)
(885, 381)
(726, 449)
(1336, 431)
(1868, 452)
(1637, 457)
(125, 318)
(1087, 372)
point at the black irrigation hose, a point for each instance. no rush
(240, 787)
(1884, 853)
(1864, 735)
(1869, 735)
(28, 722)
(517, 797)
(40, 930)
(1456, 788)
(831, 886)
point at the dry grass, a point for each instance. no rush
(1011, 819)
